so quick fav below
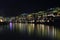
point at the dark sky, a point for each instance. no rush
(16, 7)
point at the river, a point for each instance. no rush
(29, 31)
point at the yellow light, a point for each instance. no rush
(1, 20)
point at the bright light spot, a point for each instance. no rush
(1, 20)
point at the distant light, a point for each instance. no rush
(29, 15)
(1, 20)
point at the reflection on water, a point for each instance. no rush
(31, 29)
(11, 26)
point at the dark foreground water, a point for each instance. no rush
(25, 31)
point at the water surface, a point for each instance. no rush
(29, 31)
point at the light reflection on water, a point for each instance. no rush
(30, 29)
(11, 26)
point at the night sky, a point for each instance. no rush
(17, 7)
